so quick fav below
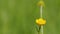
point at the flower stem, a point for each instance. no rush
(39, 29)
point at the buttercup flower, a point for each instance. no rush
(40, 21)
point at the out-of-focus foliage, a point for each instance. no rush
(18, 16)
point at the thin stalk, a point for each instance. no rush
(41, 11)
(39, 29)
(41, 17)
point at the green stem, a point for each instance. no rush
(39, 30)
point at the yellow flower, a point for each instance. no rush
(41, 3)
(40, 21)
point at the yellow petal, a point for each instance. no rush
(41, 21)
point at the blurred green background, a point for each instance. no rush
(18, 16)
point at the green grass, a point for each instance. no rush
(18, 16)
